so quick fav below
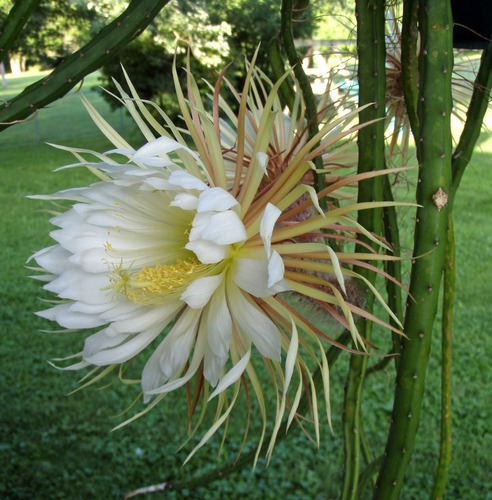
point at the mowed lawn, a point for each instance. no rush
(54, 445)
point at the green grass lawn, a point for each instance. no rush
(61, 121)
(58, 446)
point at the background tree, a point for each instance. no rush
(54, 29)
(217, 33)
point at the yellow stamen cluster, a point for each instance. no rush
(155, 285)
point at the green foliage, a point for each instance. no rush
(53, 30)
(216, 32)
(151, 74)
(255, 23)
(336, 20)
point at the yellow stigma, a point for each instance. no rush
(156, 285)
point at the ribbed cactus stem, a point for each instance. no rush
(393, 268)
(434, 182)
(351, 426)
(277, 65)
(449, 292)
(409, 61)
(371, 75)
(92, 56)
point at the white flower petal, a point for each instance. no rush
(194, 364)
(252, 276)
(254, 323)
(78, 238)
(172, 353)
(232, 375)
(216, 199)
(262, 161)
(76, 284)
(217, 326)
(151, 152)
(109, 353)
(200, 223)
(276, 269)
(54, 259)
(186, 201)
(124, 339)
(96, 309)
(94, 260)
(144, 317)
(68, 318)
(198, 293)
(101, 340)
(291, 357)
(225, 228)
(185, 180)
(207, 251)
(268, 220)
(121, 308)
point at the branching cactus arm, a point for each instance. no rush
(92, 56)
(479, 104)
(449, 293)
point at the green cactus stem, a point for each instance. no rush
(371, 75)
(351, 425)
(434, 150)
(278, 68)
(409, 61)
(367, 475)
(449, 290)
(479, 104)
(393, 268)
(287, 39)
(92, 56)
(12, 26)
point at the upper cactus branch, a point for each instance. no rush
(474, 118)
(92, 56)
(409, 56)
(17, 18)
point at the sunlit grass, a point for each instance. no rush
(61, 120)
(59, 446)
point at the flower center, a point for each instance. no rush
(156, 285)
